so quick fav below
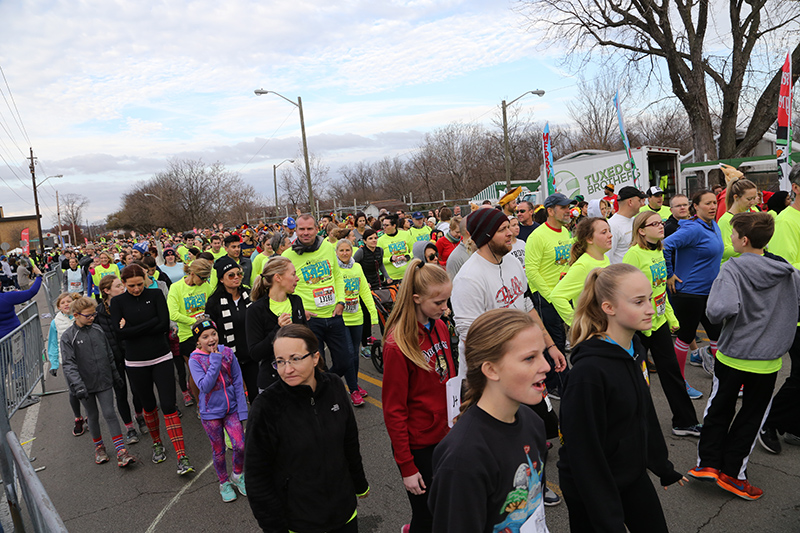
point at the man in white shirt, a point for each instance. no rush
(493, 279)
(631, 201)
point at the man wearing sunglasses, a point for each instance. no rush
(524, 214)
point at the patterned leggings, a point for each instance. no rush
(216, 434)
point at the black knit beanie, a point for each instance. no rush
(483, 224)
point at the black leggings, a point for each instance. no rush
(669, 374)
(690, 310)
(249, 370)
(421, 517)
(121, 394)
(640, 506)
(163, 377)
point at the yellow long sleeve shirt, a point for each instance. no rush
(546, 258)
(321, 284)
(652, 263)
(571, 285)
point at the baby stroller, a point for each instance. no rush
(384, 302)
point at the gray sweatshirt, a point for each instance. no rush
(757, 298)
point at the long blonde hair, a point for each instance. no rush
(275, 266)
(486, 342)
(637, 238)
(602, 285)
(419, 279)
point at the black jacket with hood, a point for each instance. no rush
(302, 457)
(609, 428)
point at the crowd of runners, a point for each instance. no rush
(499, 310)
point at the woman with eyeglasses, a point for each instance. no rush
(187, 301)
(693, 256)
(302, 456)
(227, 307)
(646, 254)
(143, 319)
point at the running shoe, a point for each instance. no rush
(768, 438)
(79, 428)
(406, 528)
(184, 466)
(227, 492)
(124, 458)
(651, 366)
(159, 453)
(362, 392)
(238, 481)
(178, 412)
(792, 439)
(188, 401)
(131, 437)
(741, 391)
(356, 398)
(708, 360)
(705, 473)
(141, 423)
(740, 487)
(100, 455)
(366, 352)
(690, 431)
(550, 498)
(694, 394)
(695, 359)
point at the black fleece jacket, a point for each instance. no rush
(609, 428)
(302, 457)
(106, 323)
(261, 325)
(144, 336)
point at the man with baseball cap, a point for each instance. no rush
(610, 197)
(631, 200)
(547, 253)
(289, 227)
(655, 202)
(419, 231)
(492, 279)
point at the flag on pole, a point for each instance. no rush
(625, 139)
(24, 241)
(783, 141)
(550, 174)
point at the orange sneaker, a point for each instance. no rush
(740, 487)
(705, 473)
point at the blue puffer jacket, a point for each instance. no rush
(694, 254)
(219, 379)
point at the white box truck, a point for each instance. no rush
(587, 172)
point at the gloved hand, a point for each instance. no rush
(82, 393)
(54, 372)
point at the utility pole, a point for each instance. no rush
(36, 203)
(58, 214)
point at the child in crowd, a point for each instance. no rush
(222, 403)
(61, 323)
(92, 375)
(609, 427)
(418, 362)
(756, 297)
(488, 472)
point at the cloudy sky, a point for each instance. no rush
(107, 91)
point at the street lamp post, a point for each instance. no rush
(505, 134)
(153, 196)
(299, 105)
(275, 181)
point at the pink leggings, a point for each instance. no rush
(216, 434)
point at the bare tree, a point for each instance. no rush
(646, 32)
(293, 180)
(72, 210)
(595, 115)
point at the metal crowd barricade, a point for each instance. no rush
(21, 369)
(52, 288)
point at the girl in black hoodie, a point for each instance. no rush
(610, 431)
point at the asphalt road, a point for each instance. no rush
(149, 497)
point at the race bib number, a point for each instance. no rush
(75, 286)
(324, 297)
(400, 261)
(535, 523)
(661, 304)
(351, 305)
(453, 391)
